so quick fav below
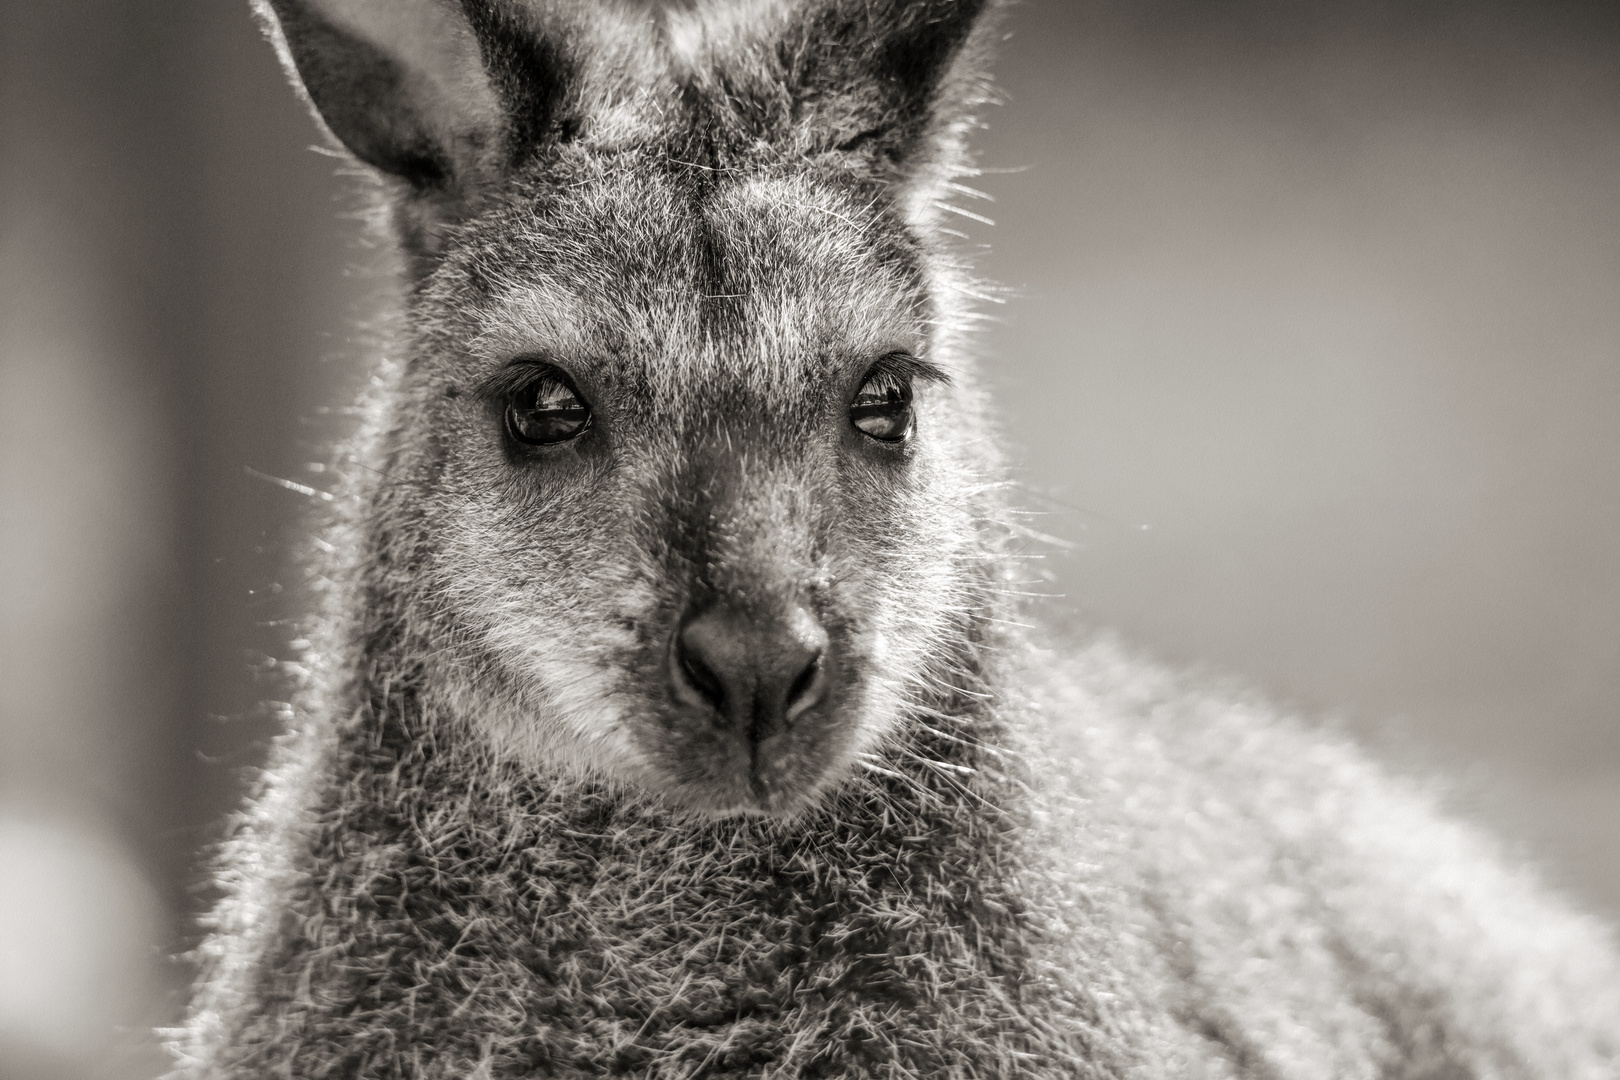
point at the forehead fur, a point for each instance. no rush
(735, 277)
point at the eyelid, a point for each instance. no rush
(519, 374)
(907, 368)
(879, 386)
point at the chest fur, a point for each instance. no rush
(442, 928)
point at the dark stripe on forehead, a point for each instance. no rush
(698, 165)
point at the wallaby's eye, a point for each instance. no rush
(547, 410)
(882, 406)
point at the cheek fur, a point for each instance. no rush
(549, 615)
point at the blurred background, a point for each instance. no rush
(1312, 351)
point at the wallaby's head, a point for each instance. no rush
(682, 481)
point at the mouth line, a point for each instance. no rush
(736, 795)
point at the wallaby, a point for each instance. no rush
(671, 715)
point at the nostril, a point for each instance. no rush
(806, 689)
(696, 675)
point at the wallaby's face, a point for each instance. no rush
(681, 484)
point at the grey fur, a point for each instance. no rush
(492, 845)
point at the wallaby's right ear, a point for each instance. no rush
(400, 84)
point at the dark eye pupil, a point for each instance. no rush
(882, 407)
(548, 412)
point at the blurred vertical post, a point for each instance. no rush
(97, 174)
(166, 305)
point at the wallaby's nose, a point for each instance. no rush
(759, 675)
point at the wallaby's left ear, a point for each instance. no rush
(890, 85)
(400, 85)
(453, 96)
